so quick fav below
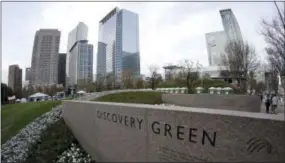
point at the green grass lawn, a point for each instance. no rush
(14, 117)
(133, 97)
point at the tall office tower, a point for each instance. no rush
(231, 26)
(216, 43)
(118, 45)
(61, 68)
(28, 74)
(45, 57)
(79, 59)
(15, 78)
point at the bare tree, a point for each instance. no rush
(99, 82)
(153, 69)
(274, 35)
(252, 82)
(139, 83)
(189, 72)
(271, 77)
(110, 81)
(127, 79)
(239, 59)
(260, 87)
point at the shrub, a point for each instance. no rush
(133, 97)
(207, 83)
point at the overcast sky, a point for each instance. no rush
(169, 31)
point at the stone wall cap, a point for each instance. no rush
(279, 117)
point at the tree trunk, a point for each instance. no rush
(152, 83)
(283, 86)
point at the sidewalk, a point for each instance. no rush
(279, 110)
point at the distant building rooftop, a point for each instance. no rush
(109, 15)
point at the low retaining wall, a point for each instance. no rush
(226, 102)
(112, 132)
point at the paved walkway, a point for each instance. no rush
(280, 110)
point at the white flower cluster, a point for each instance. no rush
(74, 154)
(16, 149)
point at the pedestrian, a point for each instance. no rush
(267, 102)
(261, 97)
(274, 103)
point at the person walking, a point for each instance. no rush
(274, 103)
(267, 102)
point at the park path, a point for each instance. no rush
(280, 110)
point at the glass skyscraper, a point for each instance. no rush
(79, 58)
(231, 26)
(118, 45)
(217, 41)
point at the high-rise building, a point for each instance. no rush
(118, 45)
(231, 25)
(61, 68)
(216, 43)
(15, 78)
(28, 74)
(79, 59)
(45, 57)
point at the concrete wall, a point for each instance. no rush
(112, 132)
(227, 102)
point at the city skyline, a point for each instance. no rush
(171, 32)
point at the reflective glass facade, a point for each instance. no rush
(118, 46)
(230, 24)
(216, 43)
(83, 67)
(79, 58)
(79, 33)
(85, 62)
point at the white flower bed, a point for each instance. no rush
(16, 149)
(74, 154)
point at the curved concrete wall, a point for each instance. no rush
(114, 132)
(226, 102)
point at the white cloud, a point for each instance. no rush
(169, 31)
